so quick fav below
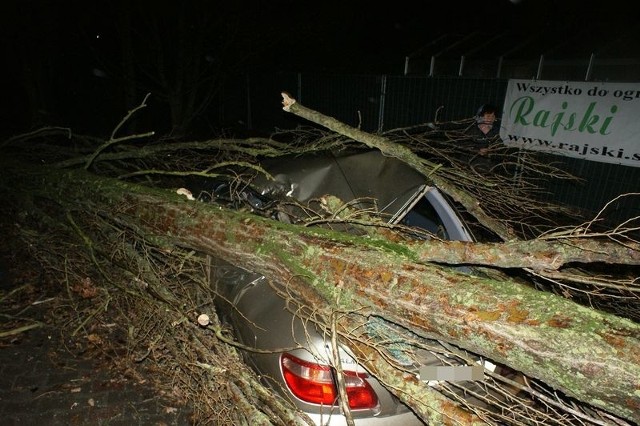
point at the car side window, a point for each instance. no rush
(425, 217)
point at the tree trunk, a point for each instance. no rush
(589, 355)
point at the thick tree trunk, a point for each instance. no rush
(589, 355)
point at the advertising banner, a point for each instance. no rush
(589, 120)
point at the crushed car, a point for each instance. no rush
(293, 355)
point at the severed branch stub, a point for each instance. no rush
(203, 320)
(287, 101)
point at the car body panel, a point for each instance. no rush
(270, 325)
(363, 176)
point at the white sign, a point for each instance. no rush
(588, 120)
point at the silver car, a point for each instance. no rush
(299, 367)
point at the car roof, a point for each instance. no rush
(366, 176)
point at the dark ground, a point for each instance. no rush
(49, 379)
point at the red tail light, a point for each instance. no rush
(314, 383)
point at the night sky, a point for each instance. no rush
(67, 58)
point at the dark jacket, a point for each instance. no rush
(482, 139)
(479, 140)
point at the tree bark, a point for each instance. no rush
(589, 355)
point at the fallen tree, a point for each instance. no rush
(588, 355)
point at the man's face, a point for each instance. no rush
(488, 118)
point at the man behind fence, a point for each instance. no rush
(484, 132)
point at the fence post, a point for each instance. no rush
(461, 68)
(432, 66)
(540, 64)
(406, 65)
(383, 93)
(499, 66)
(587, 77)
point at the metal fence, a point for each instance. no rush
(587, 68)
(376, 103)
